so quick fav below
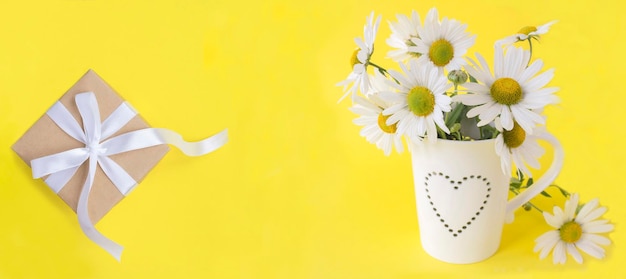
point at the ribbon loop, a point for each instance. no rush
(64, 119)
(62, 166)
(118, 118)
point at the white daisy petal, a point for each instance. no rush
(397, 116)
(547, 245)
(489, 78)
(486, 111)
(593, 214)
(519, 163)
(506, 41)
(553, 220)
(393, 109)
(477, 89)
(571, 249)
(591, 227)
(362, 110)
(403, 31)
(570, 206)
(539, 81)
(506, 118)
(542, 29)
(362, 121)
(586, 209)
(391, 97)
(597, 239)
(372, 108)
(545, 239)
(591, 249)
(400, 78)
(531, 71)
(558, 255)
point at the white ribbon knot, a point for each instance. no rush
(62, 166)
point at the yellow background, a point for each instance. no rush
(296, 193)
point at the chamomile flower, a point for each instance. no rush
(527, 32)
(401, 34)
(420, 101)
(518, 147)
(514, 92)
(358, 79)
(375, 128)
(442, 43)
(575, 229)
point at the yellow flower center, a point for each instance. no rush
(441, 52)
(421, 101)
(515, 137)
(506, 91)
(382, 123)
(571, 232)
(527, 29)
(354, 59)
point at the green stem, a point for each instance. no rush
(441, 133)
(456, 90)
(529, 203)
(381, 69)
(530, 45)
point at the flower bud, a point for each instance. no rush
(457, 76)
(527, 206)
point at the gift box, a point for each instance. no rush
(92, 148)
(45, 138)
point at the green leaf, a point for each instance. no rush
(544, 193)
(453, 116)
(530, 182)
(520, 175)
(488, 132)
(579, 207)
(563, 192)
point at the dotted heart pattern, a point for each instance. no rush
(455, 185)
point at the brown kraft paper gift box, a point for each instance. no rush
(46, 138)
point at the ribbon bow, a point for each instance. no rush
(98, 147)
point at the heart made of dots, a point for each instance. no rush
(456, 184)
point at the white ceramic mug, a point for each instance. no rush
(461, 195)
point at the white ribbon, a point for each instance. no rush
(98, 146)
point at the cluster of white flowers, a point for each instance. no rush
(417, 103)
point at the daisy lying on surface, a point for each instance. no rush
(576, 228)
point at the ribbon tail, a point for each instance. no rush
(198, 148)
(154, 136)
(83, 215)
(120, 178)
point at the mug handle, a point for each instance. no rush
(543, 182)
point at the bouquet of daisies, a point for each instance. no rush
(441, 94)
